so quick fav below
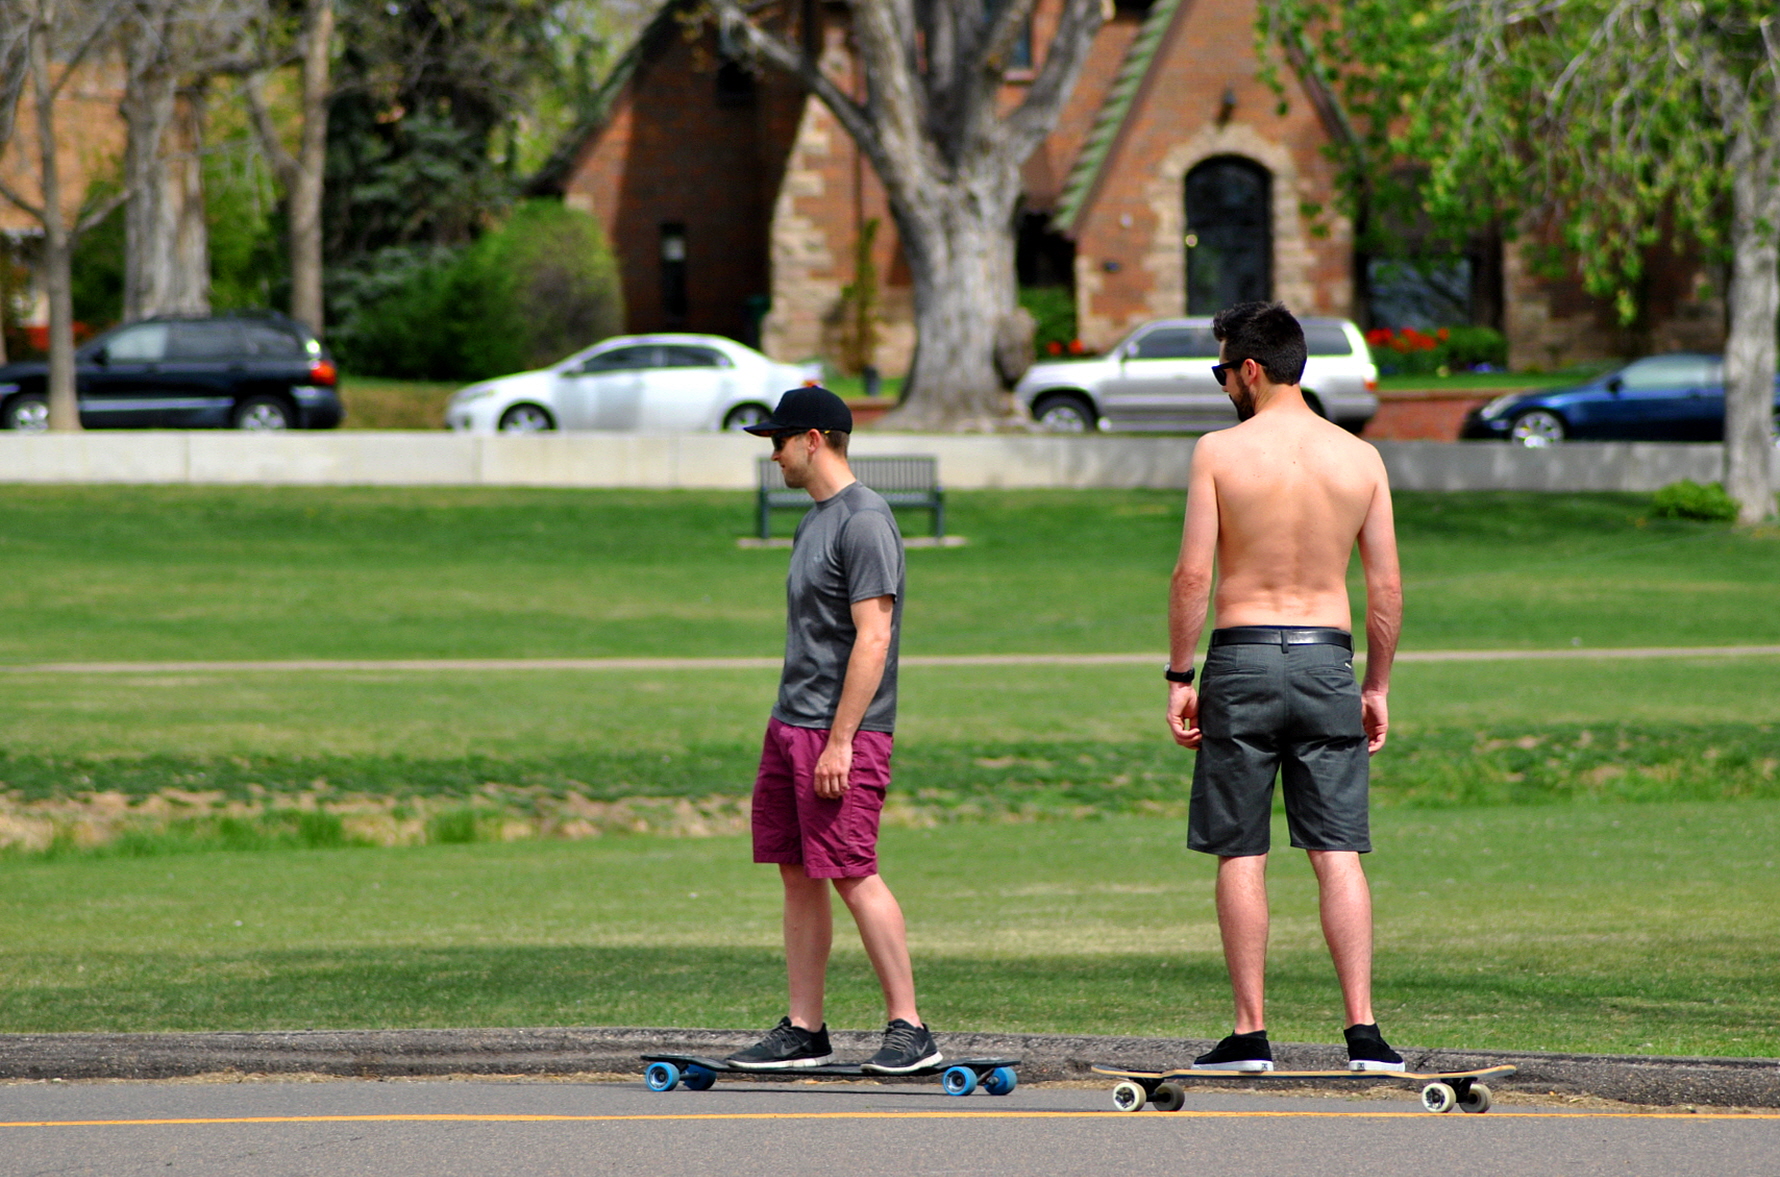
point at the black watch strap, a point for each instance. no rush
(1179, 676)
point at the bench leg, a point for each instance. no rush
(766, 519)
(939, 518)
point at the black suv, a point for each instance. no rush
(242, 371)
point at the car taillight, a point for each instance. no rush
(322, 372)
(1371, 386)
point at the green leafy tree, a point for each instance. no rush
(1614, 121)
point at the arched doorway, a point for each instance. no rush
(1229, 234)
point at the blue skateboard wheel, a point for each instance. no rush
(958, 1081)
(662, 1076)
(1000, 1081)
(698, 1078)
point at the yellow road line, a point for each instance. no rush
(497, 1118)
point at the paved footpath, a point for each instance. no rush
(422, 1128)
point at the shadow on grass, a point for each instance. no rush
(1511, 1006)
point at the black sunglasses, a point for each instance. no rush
(1219, 371)
(783, 436)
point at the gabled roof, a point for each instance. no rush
(1085, 175)
(550, 179)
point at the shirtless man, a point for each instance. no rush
(1278, 503)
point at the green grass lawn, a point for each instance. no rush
(375, 402)
(1638, 928)
(1544, 924)
(237, 572)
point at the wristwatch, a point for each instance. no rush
(1179, 676)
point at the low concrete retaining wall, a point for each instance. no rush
(715, 461)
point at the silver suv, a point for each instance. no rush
(1159, 378)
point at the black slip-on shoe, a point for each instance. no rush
(785, 1047)
(1367, 1050)
(1239, 1052)
(906, 1048)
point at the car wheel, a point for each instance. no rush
(742, 416)
(527, 419)
(1537, 429)
(262, 414)
(1064, 413)
(27, 414)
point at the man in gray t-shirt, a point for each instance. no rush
(825, 763)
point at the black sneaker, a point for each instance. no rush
(1239, 1052)
(906, 1048)
(784, 1047)
(1367, 1051)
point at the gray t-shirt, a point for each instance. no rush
(847, 550)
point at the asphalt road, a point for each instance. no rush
(438, 1128)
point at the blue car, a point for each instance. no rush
(1676, 397)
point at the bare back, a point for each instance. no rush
(1293, 494)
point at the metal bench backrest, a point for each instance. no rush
(905, 480)
(900, 478)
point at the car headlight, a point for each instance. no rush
(1500, 403)
(465, 396)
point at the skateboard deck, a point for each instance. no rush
(1441, 1092)
(957, 1076)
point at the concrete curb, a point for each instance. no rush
(1722, 1082)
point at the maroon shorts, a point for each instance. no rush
(835, 839)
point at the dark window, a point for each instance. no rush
(621, 359)
(673, 274)
(1229, 234)
(692, 357)
(268, 342)
(146, 344)
(1021, 57)
(1177, 343)
(1420, 292)
(1327, 339)
(203, 341)
(735, 85)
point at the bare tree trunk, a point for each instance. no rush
(302, 175)
(147, 107)
(58, 243)
(1749, 359)
(961, 257)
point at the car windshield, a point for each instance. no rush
(1327, 339)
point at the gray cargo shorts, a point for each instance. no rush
(1293, 710)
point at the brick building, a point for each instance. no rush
(1172, 184)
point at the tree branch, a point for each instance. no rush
(31, 210)
(736, 22)
(284, 164)
(1032, 120)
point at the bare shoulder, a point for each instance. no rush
(1353, 449)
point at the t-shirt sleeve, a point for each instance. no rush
(873, 554)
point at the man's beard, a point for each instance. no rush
(1244, 400)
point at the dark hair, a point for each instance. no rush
(836, 440)
(1266, 333)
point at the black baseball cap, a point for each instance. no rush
(809, 407)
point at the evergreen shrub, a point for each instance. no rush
(542, 286)
(1687, 499)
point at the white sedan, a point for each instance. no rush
(634, 382)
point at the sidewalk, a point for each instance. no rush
(1637, 1079)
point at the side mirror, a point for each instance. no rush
(1614, 385)
(99, 357)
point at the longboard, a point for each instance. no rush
(997, 1076)
(1165, 1090)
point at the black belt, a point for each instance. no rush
(1282, 635)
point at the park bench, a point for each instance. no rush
(907, 480)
